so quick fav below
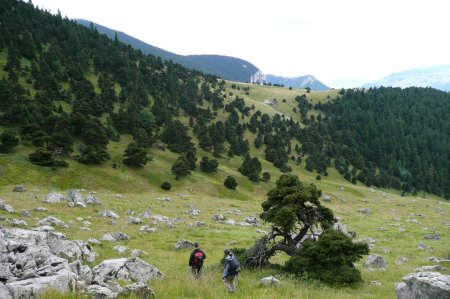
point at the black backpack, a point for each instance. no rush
(235, 267)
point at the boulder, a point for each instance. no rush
(375, 261)
(52, 221)
(6, 207)
(401, 260)
(115, 237)
(140, 290)
(134, 220)
(424, 285)
(120, 249)
(53, 197)
(63, 281)
(19, 188)
(74, 198)
(18, 222)
(108, 214)
(40, 209)
(125, 269)
(432, 236)
(365, 210)
(4, 292)
(197, 224)
(192, 211)
(25, 213)
(148, 229)
(252, 220)
(218, 217)
(92, 200)
(269, 281)
(183, 244)
(99, 292)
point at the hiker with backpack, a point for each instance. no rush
(196, 261)
(230, 271)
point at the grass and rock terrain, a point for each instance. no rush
(394, 226)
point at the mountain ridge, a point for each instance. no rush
(298, 82)
(436, 76)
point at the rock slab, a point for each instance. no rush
(424, 285)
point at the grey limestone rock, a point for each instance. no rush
(424, 285)
(108, 214)
(53, 197)
(115, 237)
(269, 281)
(375, 261)
(52, 221)
(92, 200)
(6, 207)
(19, 188)
(74, 198)
(181, 244)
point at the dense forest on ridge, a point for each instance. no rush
(67, 90)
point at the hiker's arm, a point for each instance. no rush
(204, 255)
(225, 270)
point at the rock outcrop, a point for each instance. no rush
(424, 285)
(33, 261)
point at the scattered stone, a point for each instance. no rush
(40, 209)
(108, 214)
(147, 214)
(269, 281)
(6, 207)
(18, 222)
(92, 200)
(252, 220)
(74, 198)
(192, 211)
(112, 222)
(326, 198)
(25, 213)
(447, 223)
(52, 221)
(432, 236)
(424, 285)
(375, 261)
(421, 245)
(396, 219)
(53, 197)
(134, 220)
(218, 217)
(130, 212)
(19, 188)
(115, 237)
(261, 231)
(197, 224)
(148, 229)
(401, 260)
(382, 229)
(140, 290)
(183, 244)
(402, 229)
(232, 243)
(438, 260)
(229, 222)
(165, 199)
(365, 210)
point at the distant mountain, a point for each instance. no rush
(437, 77)
(226, 67)
(297, 82)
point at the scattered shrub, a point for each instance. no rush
(166, 186)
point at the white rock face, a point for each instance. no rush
(424, 285)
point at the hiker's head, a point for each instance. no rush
(195, 245)
(227, 252)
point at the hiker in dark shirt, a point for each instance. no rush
(196, 261)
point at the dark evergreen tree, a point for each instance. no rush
(135, 156)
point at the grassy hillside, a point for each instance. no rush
(398, 224)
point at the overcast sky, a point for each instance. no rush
(341, 43)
